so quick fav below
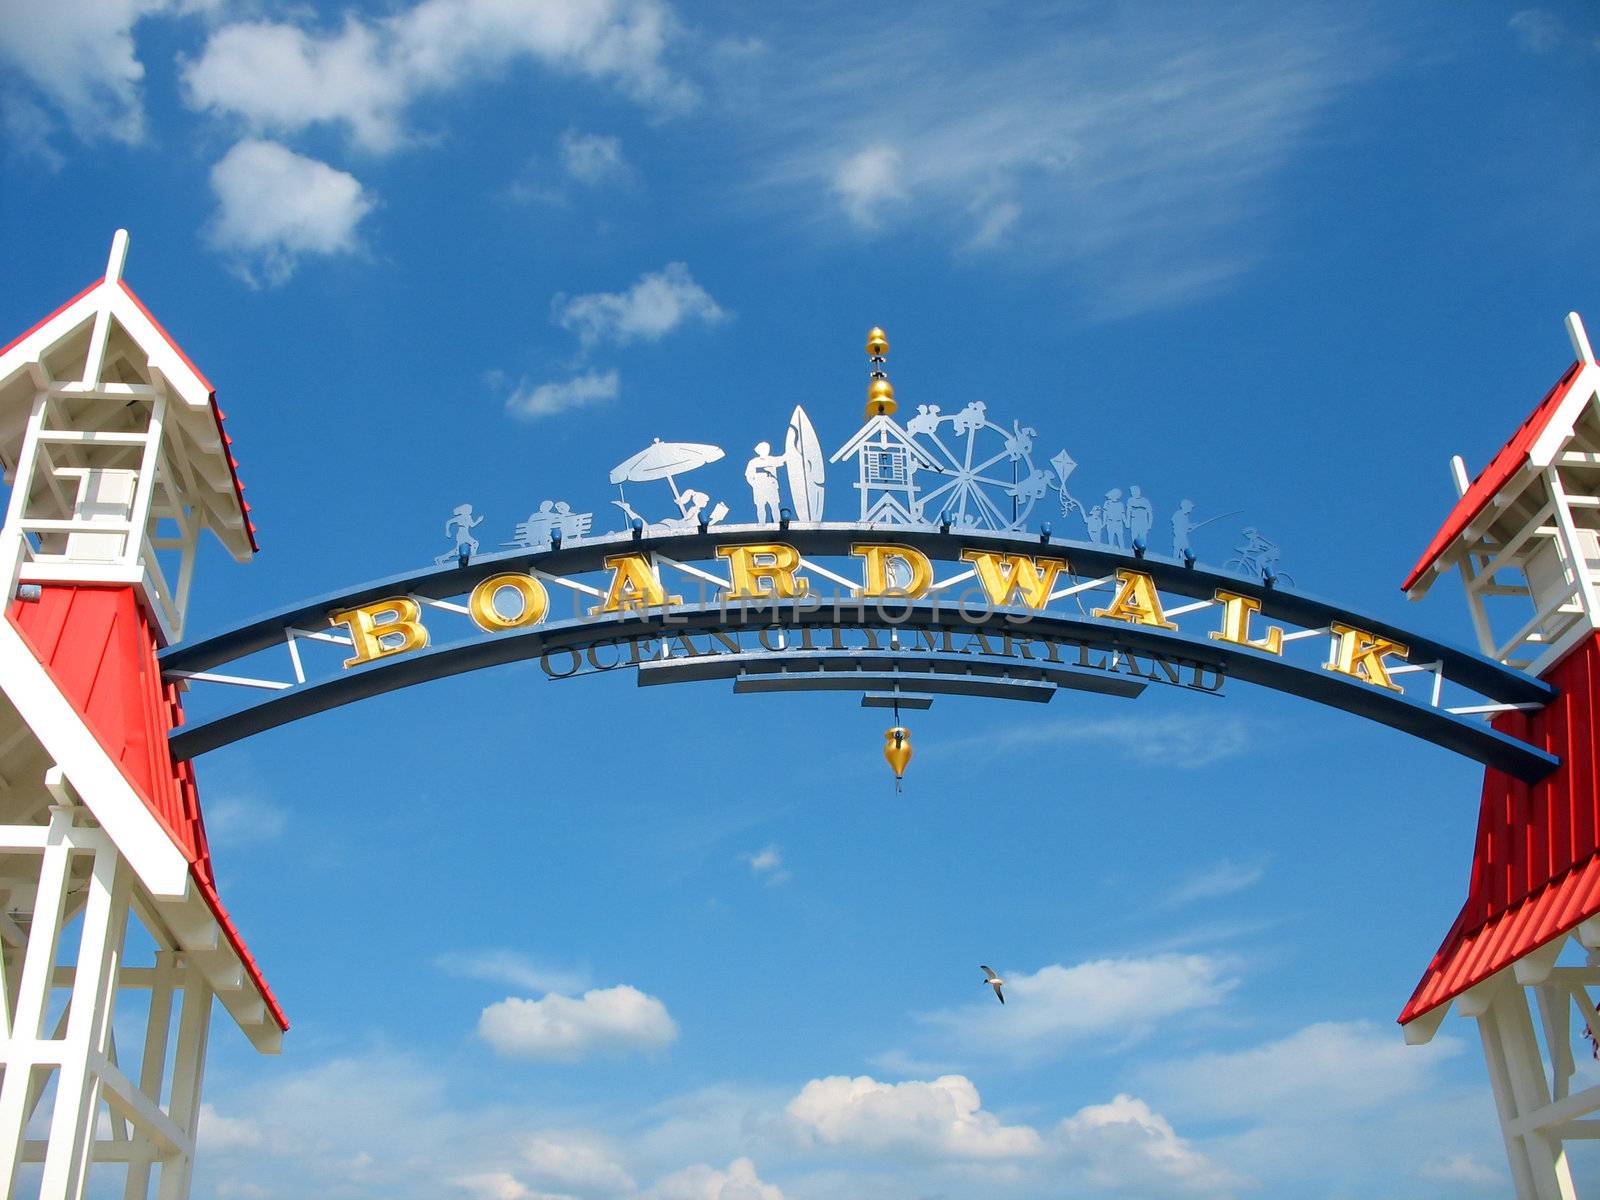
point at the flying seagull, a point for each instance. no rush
(993, 981)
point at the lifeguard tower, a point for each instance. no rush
(114, 451)
(1525, 537)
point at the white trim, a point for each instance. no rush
(151, 852)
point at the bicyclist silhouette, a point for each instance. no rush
(1258, 557)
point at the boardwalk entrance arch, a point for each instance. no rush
(946, 579)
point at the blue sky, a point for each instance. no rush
(596, 943)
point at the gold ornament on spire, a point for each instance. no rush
(880, 392)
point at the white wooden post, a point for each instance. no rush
(33, 997)
(1538, 1162)
(153, 1069)
(139, 512)
(1577, 562)
(72, 1125)
(188, 1070)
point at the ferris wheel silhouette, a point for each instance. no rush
(987, 476)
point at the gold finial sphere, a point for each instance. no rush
(877, 342)
(880, 398)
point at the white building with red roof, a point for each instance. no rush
(117, 461)
(1525, 539)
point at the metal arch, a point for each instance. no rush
(1478, 741)
(1503, 685)
(834, 538)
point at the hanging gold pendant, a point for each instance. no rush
(897, 751)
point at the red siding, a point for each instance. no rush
(1536, 861)
(100, 650)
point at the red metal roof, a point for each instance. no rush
(98, 646)
(1495, 476)
(1536, 859)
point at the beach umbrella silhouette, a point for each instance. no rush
(664, 460)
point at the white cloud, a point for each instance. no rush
(276, 206)
(868, 182)
(997, 221)
(1115, 999)
(1224, 879)
(1539, 30)
(241, 820)
(559, 396)
(282, 78)
(221, 1134)
(1320, 1071)
(1125, 1145)
(512, 967)
(409, 1127)
(658, 303)
(80, 54)
(1463, 1168)
(27, 131)
(593, 159)
(1183, 740)
(604, 1020)
(1346, 1101)
(944, 1118)
(1146, 186)
(492, 1185)
(383, 1121)
(703, 1182)
(767, 864)
(577, 1160)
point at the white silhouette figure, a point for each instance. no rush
(1115, 515)
(1141, 516)
(762, 476)
(461, 524)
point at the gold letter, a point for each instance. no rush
(1360, 655)
(1003, 574)
(371, 623)
(876, 569)
(634, 584)
(535, 602)
(1236, 613)
(754, 580)
(1136, 602)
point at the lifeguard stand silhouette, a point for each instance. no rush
(887, 459)
(1525, 536)
(114, 451)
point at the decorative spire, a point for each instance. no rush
(880, 392)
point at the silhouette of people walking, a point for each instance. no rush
(1094, 521)
(1115, 515)
(1141, 516)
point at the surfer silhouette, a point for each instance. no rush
(762, 476)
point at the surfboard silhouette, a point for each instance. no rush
(803, 463)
